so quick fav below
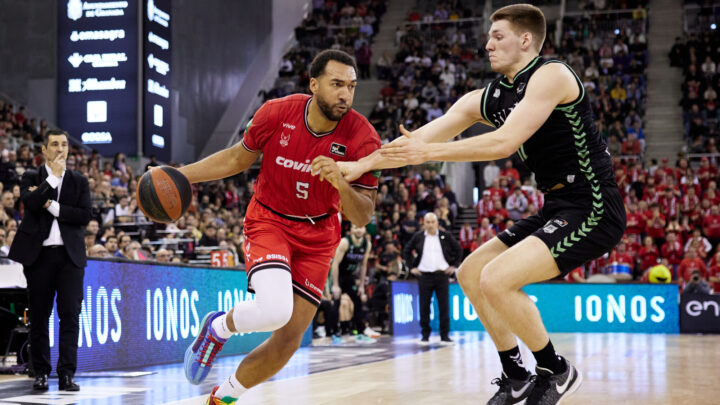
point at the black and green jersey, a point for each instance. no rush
(353, 257)
(567, 149)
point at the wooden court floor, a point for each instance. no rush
(617, 369)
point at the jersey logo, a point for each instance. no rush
(570, 178)
(520, 88)
(338, 149)
(496, 94)
(284, 139)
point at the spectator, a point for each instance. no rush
(209, 236)
(490, 173)
(516, 204)
(111, 244)
(163, 255)
(98, 250)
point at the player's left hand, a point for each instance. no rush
(406, 150)
(351, 170)
(328, 170)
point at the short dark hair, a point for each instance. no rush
(524, 18)
(317, 67)
(54, 132)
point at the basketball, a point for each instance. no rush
(659, 274)
(163, 194)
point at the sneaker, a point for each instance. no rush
(512, 391)
(370, 332)
(200, 354)
(552, 388)
(446, 341)
(213, 400)
(425, 341)
(319, 332)
(364, 339)
(336, 340)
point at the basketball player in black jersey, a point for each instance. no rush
(542, 113)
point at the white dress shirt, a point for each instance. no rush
(432, 257)
(55, 238)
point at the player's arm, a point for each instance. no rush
(551, 85)
(357, 203)
(335, 267)
(461, 116)
(225, 163)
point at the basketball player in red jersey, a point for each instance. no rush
(291, 226)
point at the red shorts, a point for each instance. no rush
(302, 248)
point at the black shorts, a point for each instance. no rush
(576, 225)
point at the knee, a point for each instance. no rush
(278, 314)
(490, 284)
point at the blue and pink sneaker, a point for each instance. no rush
(201, 353)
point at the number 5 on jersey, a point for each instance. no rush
(302, 190)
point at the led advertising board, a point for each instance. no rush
(157, 57)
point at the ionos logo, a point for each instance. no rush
(616, 310)
(696, 308)
(157, 15)
(166, 314)
(109, 35)
(291, 164)
(403, 308)
(96, 325)
(95, 9)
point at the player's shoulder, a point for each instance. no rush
(288, 103)
(359, 124)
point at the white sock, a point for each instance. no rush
(219, 326)
(231, 387)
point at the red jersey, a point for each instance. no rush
(672, 252)
(714, 271)
(711, 226)
(687, 266)
(648, 257)
(635, 223)
(279, 129)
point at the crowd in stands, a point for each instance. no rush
(697, 55)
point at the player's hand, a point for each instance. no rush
(336, 291)
(406, 150)
(328, 170)
(351, 170)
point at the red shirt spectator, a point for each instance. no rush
(484, 206)
(714, 272)
(706, 172)
(635, 221)
(689, 201)
(466, 236)
(648, 254)
(711, 223)
(672, 250)
(621, 256)
(631, 147)
(656, 223)
(689, 264)
(510, 172)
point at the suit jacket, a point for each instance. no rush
(75, 214)
(450, 247)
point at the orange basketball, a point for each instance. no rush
(163, 194)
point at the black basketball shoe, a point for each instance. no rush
(551, 389)
(512, 391)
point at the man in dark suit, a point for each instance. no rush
(437, 255)
(50, 245)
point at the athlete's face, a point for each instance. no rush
(504, 45)
(357, 231)
(334, 90)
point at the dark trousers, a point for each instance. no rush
(330, 313)
(347, 285)
(434, 282)
(52, 273)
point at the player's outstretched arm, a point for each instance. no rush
(225, 163)
(551, 85)
(461, 116)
